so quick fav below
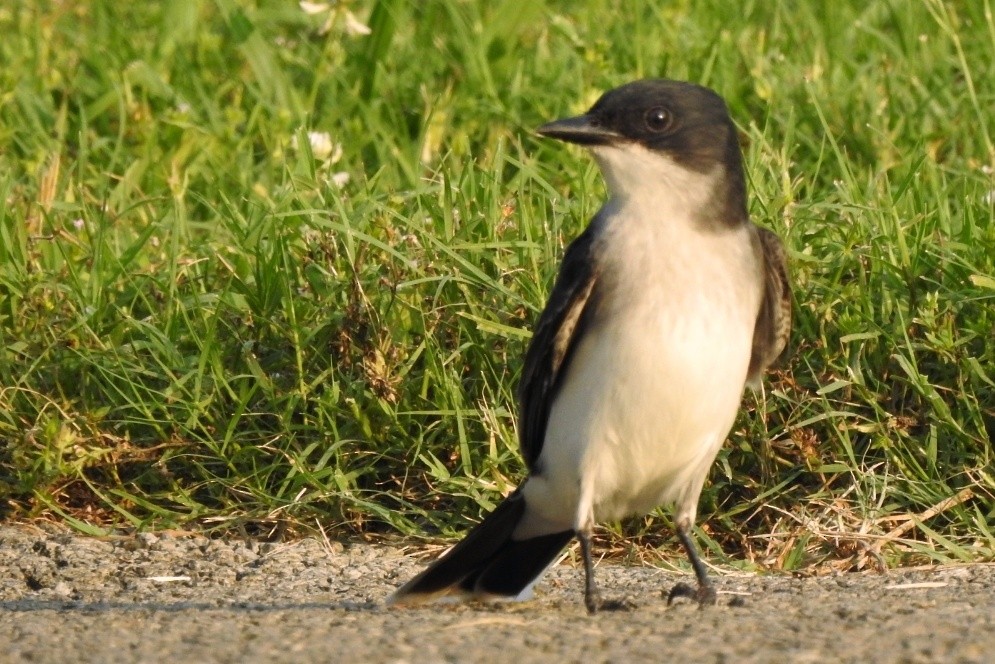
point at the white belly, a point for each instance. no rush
(652, 430)
(652, 392)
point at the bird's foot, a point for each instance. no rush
(595, 604)
(704, 594)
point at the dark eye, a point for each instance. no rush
(658, 119)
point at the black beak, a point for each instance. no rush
(583, 130)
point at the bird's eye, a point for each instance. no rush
(658, 119)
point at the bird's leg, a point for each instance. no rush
(592, 597)
(705, 592)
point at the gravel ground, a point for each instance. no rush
(184, 598)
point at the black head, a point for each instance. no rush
(687, 122)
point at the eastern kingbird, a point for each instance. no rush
(665, 307)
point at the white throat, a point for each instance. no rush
(640, 178)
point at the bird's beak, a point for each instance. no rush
(582, 130)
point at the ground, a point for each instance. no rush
(180, 597)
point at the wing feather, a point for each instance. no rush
(560, 325)
(770, 336)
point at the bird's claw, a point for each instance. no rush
(703, 594)
(595, 604)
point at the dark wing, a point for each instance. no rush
(555, 336)
(770, 336)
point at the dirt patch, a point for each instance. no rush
(177, 598)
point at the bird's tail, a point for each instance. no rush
(487, 563)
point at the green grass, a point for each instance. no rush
(200, 325)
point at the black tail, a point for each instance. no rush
(487, 562)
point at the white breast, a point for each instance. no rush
(654, 386)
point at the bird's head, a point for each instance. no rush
(656, 129)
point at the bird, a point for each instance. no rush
(665, 308)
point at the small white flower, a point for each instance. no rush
(322, 146)
(312, 8)
(78, 224)
(340, 179)
(321, 143)
(354, 26)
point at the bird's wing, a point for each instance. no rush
(770, 336)
(560, 326)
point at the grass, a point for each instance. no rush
(209, 317)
